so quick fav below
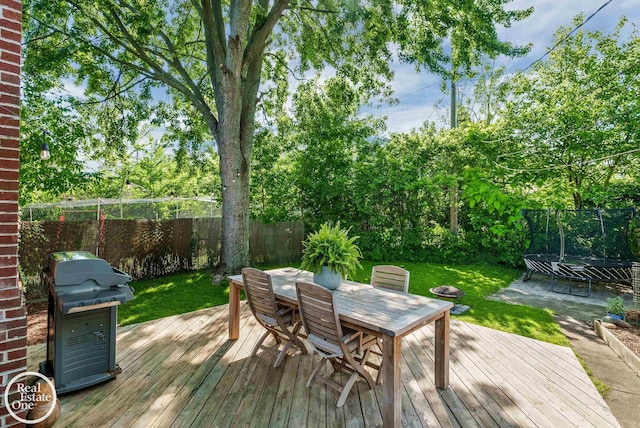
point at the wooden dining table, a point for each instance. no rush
(386, 314)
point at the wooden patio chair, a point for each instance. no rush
(390, 277)
(345, 348)
(282, 322)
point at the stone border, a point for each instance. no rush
(618, 347)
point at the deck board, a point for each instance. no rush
(182, 371)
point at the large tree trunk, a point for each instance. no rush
(234, 174)
(235, 206)
(235, 140)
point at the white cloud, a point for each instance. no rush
(72, 89)
(416, 105)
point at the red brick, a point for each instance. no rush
(13, 344)
(6, 216)
(8, 76)
(5, 195)
(10, 282)
(16, 313)
(17, 354)
(13, 4)
(9, 67)
(8, 196)
(10, 293)
(10, 89)
(11, 25)
(8, 229)
(6, 271)
(8, 132)
(7, 206)
(8, 251)
(15, 14)
(10, 57)
(13, 324)
(8, 46)
(8, 165)
(9, 153)
(11, 422)
(9, 269)
(11, 122)
(9, 184)
(10, 35)
(13, 365)
(14, 302)
(10, 176)
(17, 333)
(9, 143)
(6, 240)
(8, 99)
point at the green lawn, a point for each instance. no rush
(172, 295)
(186, 292)
(479, 281)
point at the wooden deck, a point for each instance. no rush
(183, 371)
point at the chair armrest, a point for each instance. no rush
(284, 311)
(356, 335)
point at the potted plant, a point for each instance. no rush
(615, 308)
(331, 255)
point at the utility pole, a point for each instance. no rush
(453, 197)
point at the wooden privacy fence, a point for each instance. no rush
(149, 248)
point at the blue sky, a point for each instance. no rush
(417, 103)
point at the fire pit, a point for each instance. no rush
(453, 293)
(448, 292)
(84, 293)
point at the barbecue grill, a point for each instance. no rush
(84, 293)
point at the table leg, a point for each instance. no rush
(391, 387)
(234, 311)
(442, 351)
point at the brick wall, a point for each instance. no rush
(13, 320)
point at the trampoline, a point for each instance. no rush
(584, 245)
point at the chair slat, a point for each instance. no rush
(390, 277)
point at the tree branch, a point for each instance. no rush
(131, 84)
(177, 64)
(257, 42)
(213, 37)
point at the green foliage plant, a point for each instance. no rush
(615, 306)
(331, 246)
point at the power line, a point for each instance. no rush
(418, 90)
(559, 42)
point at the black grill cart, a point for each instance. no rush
(84, 293)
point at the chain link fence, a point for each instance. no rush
(119, 208)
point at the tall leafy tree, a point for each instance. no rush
(574, 118)
(211, 54)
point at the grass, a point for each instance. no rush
(172, 295)
(191, 291)
(478, 282)
(601, 387)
